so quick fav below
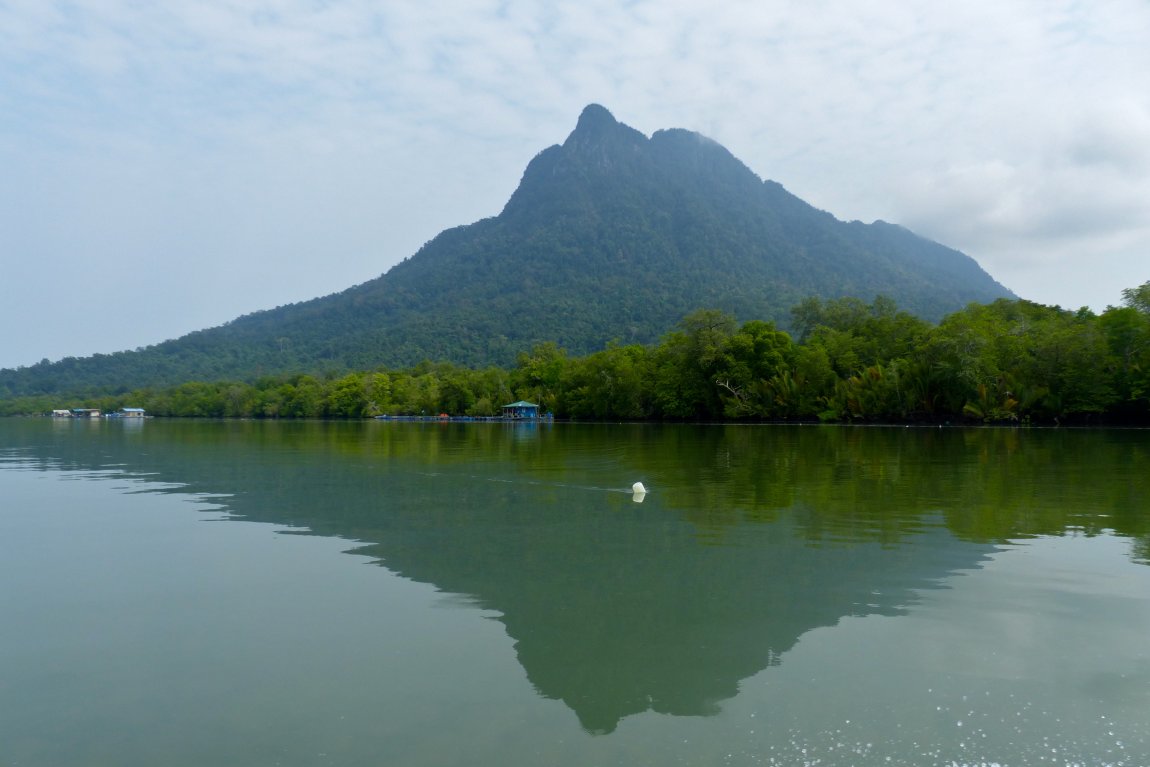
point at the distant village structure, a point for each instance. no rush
(521, 409)
(91, 412)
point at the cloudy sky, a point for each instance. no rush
(166, 167)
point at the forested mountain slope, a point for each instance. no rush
(611, 235)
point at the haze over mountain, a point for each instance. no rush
(610, 236)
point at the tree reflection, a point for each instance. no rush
(750, 538)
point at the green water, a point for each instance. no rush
(248, 593)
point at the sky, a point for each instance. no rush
(166, 167)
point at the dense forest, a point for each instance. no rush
(1011, 361)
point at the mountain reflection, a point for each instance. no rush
(751, 536)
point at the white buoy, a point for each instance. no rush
(639, 492)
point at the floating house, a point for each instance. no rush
(85, 412)
(131, 412)
(521, 409)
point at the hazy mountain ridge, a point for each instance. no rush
(611, 235)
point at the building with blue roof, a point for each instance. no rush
(521, 409)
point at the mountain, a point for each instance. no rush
(611, 235)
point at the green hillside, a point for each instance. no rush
(611, 235)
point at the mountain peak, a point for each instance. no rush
(595, 117)
(598, 129)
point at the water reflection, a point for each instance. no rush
(749, 538)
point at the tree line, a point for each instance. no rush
(1011, 361)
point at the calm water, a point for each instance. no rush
(191, 593)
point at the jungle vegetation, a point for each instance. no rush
(1010, 361)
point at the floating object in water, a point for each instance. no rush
(639, 492)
